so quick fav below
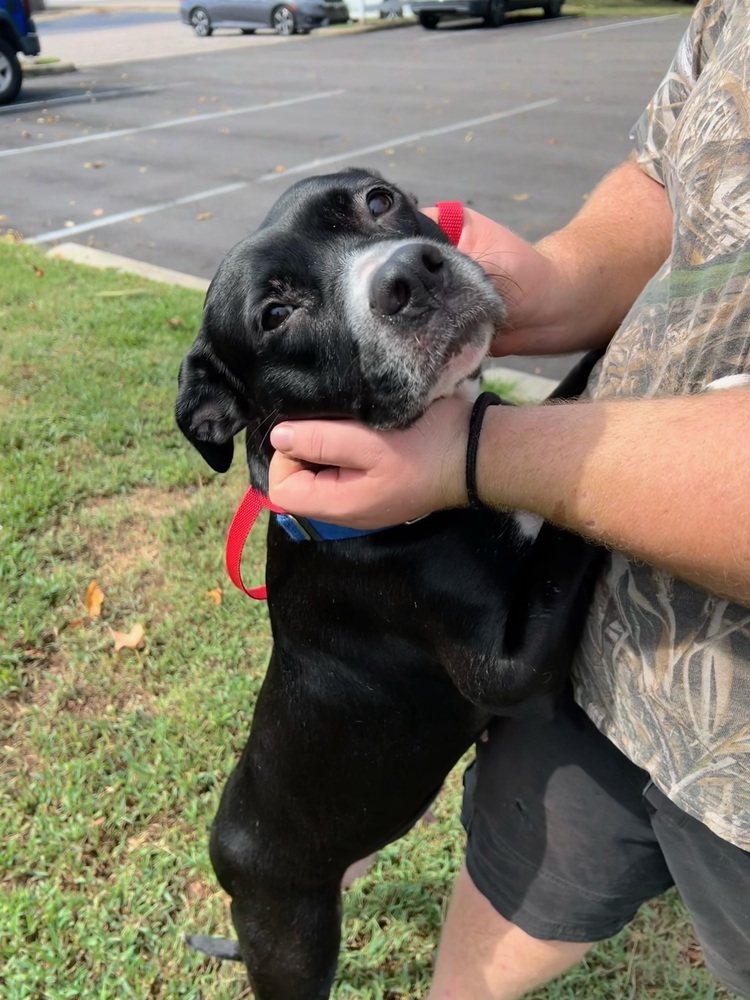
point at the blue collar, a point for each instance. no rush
(303, 529)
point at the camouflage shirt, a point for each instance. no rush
(664, 667)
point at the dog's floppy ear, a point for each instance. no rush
(208, 409)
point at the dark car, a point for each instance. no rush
(248, 15)
(17, 34)
(492, 12)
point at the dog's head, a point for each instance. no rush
(348, 302)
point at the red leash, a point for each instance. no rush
(252, 504)
(450, 220)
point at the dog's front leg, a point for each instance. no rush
(290, 942)
(288, 929)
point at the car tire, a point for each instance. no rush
(201, 22)
(553, 8)
(429, 21)
(283, 22)
(11, 75)
(495, 14)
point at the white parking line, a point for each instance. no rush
(431, 37)
(110, 220)
(87, 96)
(607, 27)
(171, 123)
(301, 168)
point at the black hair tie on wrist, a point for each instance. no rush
(475, 427)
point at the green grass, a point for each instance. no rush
(113, 763)
(627, 8)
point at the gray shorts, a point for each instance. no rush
(567, 838)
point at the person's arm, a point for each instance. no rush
(667, 481)
(570, 291)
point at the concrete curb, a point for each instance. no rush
(531, 387)
(361, 29)
(47, 69)
(102, 259)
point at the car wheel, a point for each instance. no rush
(495, 14)
(11, 76)
(282, 21)
(553, 8)
(201, 22)
(429, 21)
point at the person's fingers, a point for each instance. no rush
(324, 442)
(431, 212)
(338, 496)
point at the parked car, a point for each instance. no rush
(492, 12)
(286, 18)
(17, 34)
(391, 10)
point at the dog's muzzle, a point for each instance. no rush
(408, 280)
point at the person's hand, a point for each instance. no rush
(341, 472)
(533, 290)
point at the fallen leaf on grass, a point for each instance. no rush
(94, 599)
(215, 595)
(694, 955)
(175, 322)
(133, 639)
(118, 293)
(38, 272)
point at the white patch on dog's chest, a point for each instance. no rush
(529, 525)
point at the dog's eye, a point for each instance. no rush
(274, 315)
(378, 203)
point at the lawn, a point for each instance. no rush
(113, 761)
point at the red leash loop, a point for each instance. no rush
(242, 523)
(451, 221)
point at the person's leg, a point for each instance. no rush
(483, 956)
(560, 854)
(713, 878)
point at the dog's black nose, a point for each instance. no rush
(408, 278)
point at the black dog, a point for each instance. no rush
(391, 651)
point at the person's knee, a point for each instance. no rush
(484, 956)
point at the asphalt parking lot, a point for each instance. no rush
(173, 160)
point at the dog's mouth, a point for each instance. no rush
(423, 316)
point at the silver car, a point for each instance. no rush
(286, 17)
(492, 12)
